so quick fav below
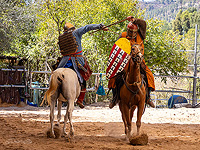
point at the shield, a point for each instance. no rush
(118, 58)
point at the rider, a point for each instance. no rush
(75, 59)
(136, 33)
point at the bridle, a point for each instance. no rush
(137, 56)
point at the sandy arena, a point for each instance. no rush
(98, 127)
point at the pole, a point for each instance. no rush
(194, 97)
(110, 25)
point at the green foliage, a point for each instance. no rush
(42, 21)
(162, 53)
(177, 23)
(167, 9)
(185, 21)
(17, 25)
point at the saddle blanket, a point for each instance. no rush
(118, 58)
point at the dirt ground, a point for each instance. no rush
(28, 132)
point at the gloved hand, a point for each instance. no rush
(130, 18)
(104, 28)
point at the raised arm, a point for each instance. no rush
(87, 28)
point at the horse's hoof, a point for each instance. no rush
(69, 138)
(71, 134)
(56, 134)
(50, 135)
(64, 134)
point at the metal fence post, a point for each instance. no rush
(194, 97)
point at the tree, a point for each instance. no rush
(177, 25)
(185, 21)
(17, 24)
(39, 41)
(80, 13)
(162, 53)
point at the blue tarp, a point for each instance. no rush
(31, 104)
(176, 99)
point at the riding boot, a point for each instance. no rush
(113, 102)
(79, 102)
(149, 100)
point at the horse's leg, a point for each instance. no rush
(132, 111)
(65, 120)
(126, 118)
(59, 111)
(70, 110)
(68, 115)
(139, 116)
(52, 106)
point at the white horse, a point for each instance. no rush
(64, 87)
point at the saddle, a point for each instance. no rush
(119, 81)
(85, 70)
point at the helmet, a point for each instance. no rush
(68, 26)
(132, 30)
(132, 27)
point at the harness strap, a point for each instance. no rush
(134, 92)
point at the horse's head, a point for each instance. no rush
(136, 53)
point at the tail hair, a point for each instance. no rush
(55, 82)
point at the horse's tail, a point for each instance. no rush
(55, 82)
(44, 99)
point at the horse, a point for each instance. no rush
(132, 92)
(64, 86)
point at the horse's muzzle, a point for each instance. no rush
(138, 58)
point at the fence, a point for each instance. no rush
(173, 84)
(187, 86)
(13, 79)
(184, 85)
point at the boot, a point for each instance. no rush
(79, 102)
(149, 100)
(113, 102)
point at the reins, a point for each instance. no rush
(136, 84)
(133, 92)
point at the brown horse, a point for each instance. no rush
(133, 92)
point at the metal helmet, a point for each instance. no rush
(68, 26)
(132, 27)
(132, 30)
